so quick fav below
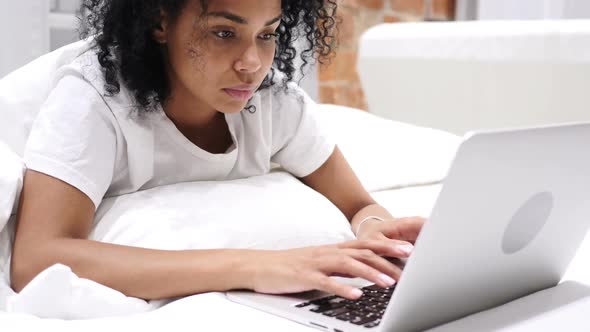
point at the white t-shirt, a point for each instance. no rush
(99, 145)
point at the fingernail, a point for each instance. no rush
(387, 280)
(356, 293)
(406, 248)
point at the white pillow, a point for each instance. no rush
(273, 211)
(386, 154)
(12, 170)
(11, 181)
(23, 92)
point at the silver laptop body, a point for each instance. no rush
(512, 212)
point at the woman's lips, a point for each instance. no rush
(240, 94)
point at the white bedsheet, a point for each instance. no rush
(205, 312)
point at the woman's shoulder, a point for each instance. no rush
(283, 96)
(81, 82)
(286, 100)
(78, 59)
(86, 66)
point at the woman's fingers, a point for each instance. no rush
(297, 270)
(383, 247)
(330, 285)
(349, 264)
(404, 228)
(361, 263)
(379, 263)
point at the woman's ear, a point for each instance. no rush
(160, 32)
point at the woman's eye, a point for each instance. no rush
(268, 36)
(224, 34)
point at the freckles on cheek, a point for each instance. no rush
(204, 54)
(193, 59)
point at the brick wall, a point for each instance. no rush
(339, 82)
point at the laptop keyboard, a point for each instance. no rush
(366, 311)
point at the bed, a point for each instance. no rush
(400, 157)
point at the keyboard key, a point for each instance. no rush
(324, 300)
(336, 312)
(325, 307)
(366, 311)
(374, 323)
(304, 304)
(373, 287)
(362, 320)
(345, 316)
(374, 308)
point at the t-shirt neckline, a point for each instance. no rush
(178, 137)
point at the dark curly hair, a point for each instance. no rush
(123, 37)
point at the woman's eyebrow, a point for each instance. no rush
(240, 20)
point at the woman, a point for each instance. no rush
(190, 90)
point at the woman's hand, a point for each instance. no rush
(303, 269)
(400, 231)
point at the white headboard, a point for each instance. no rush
(482, 74)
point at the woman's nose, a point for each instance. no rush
(249, 60)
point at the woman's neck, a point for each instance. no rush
(202, 125)
(187, 112)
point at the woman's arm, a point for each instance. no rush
(336, 180)
(54, 220)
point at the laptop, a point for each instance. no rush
(512, 212)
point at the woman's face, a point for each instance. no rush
(219, 58)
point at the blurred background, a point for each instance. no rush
(30, 28)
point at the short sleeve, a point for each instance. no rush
(74, 139)
(300, 145)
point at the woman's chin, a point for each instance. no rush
(232, 108)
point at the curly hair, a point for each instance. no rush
(123, 39)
